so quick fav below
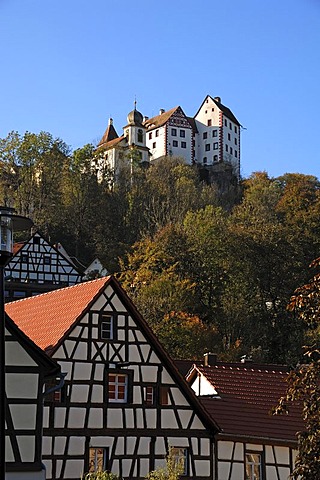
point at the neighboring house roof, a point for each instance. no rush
(246, 396)
(47, 319)
(17, 246)
(41, 358)
(160, 120)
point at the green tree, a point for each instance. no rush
(304, 381)
(172, 470)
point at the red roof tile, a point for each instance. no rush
(47, 317)
(246, 395)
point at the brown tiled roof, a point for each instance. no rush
(17, 246)
(47, 317)
(109, 134)
(246, 395)
(159, 120)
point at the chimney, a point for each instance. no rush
(110, 121)
(162, 110)
(145, 119)
(210, 359)
(217, 99)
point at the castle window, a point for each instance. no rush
(235, 141)
(97, 459)
(205, 135)
(253, 466)
(182, 133)
(47, 259)
(154, 145)
(157, 133)
(229, 136)
(207, 147)
(209, 122)
(235, 129)
(231, 150)
(174, 143)
(106, 326)
(230, 125)
(174, 132)
(227, 148)
(215, 146)
(150, 135)
(183, 145)
(204, 161)
(225, 123)
(215, 158)
(235, 153)
(140, 135)
(214, 133)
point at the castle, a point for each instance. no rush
(209, 138)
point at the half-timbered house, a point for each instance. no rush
(124, 402)
(36, 267)
(252, 444)
(27, 369)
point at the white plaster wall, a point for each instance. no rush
(22, 385)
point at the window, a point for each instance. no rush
(182, 133)
(207, 147)
(174, 132)
(225, 123)
(157, 133)
(55, 396)
(204, 161)
(174, 143)
(97, 459)
(154, 145)
(205, 135)
(230, 125)
(183, 145)
(214, 133)
(235, 129)
(140, 135)
(209, 122)
(236, 153)
(235, 141)
(212, 109)
(229, 136)
(164, 396)
(36, 240)
(47, 259)
(117, 387)
(231, 150)
(181, 456)
(253, 466)
(215, 146)
(227, 148)
(106, 326)
(215, 158)
(150, 135)
(24, 258)
(149, 395)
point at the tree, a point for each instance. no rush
(173, 469)
(304, 381)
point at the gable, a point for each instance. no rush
(39, 262)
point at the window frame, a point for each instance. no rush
(175, 143)
(104, 317)
(183, 144)
(181, 453)
(140, 135)
(251, 475)
(127, 399)
(173, 132)
(182, 133)
(105, 454)
(149, 395)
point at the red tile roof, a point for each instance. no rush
(246, 395)
(17, 246)
(159, 120)
(109, 134)
(47, 317)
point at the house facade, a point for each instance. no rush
(210, 139)
(252, 443)
(124, 402)
(38, 266)
(27, 370)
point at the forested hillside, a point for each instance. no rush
(210, 268)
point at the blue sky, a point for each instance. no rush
(68, 65)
